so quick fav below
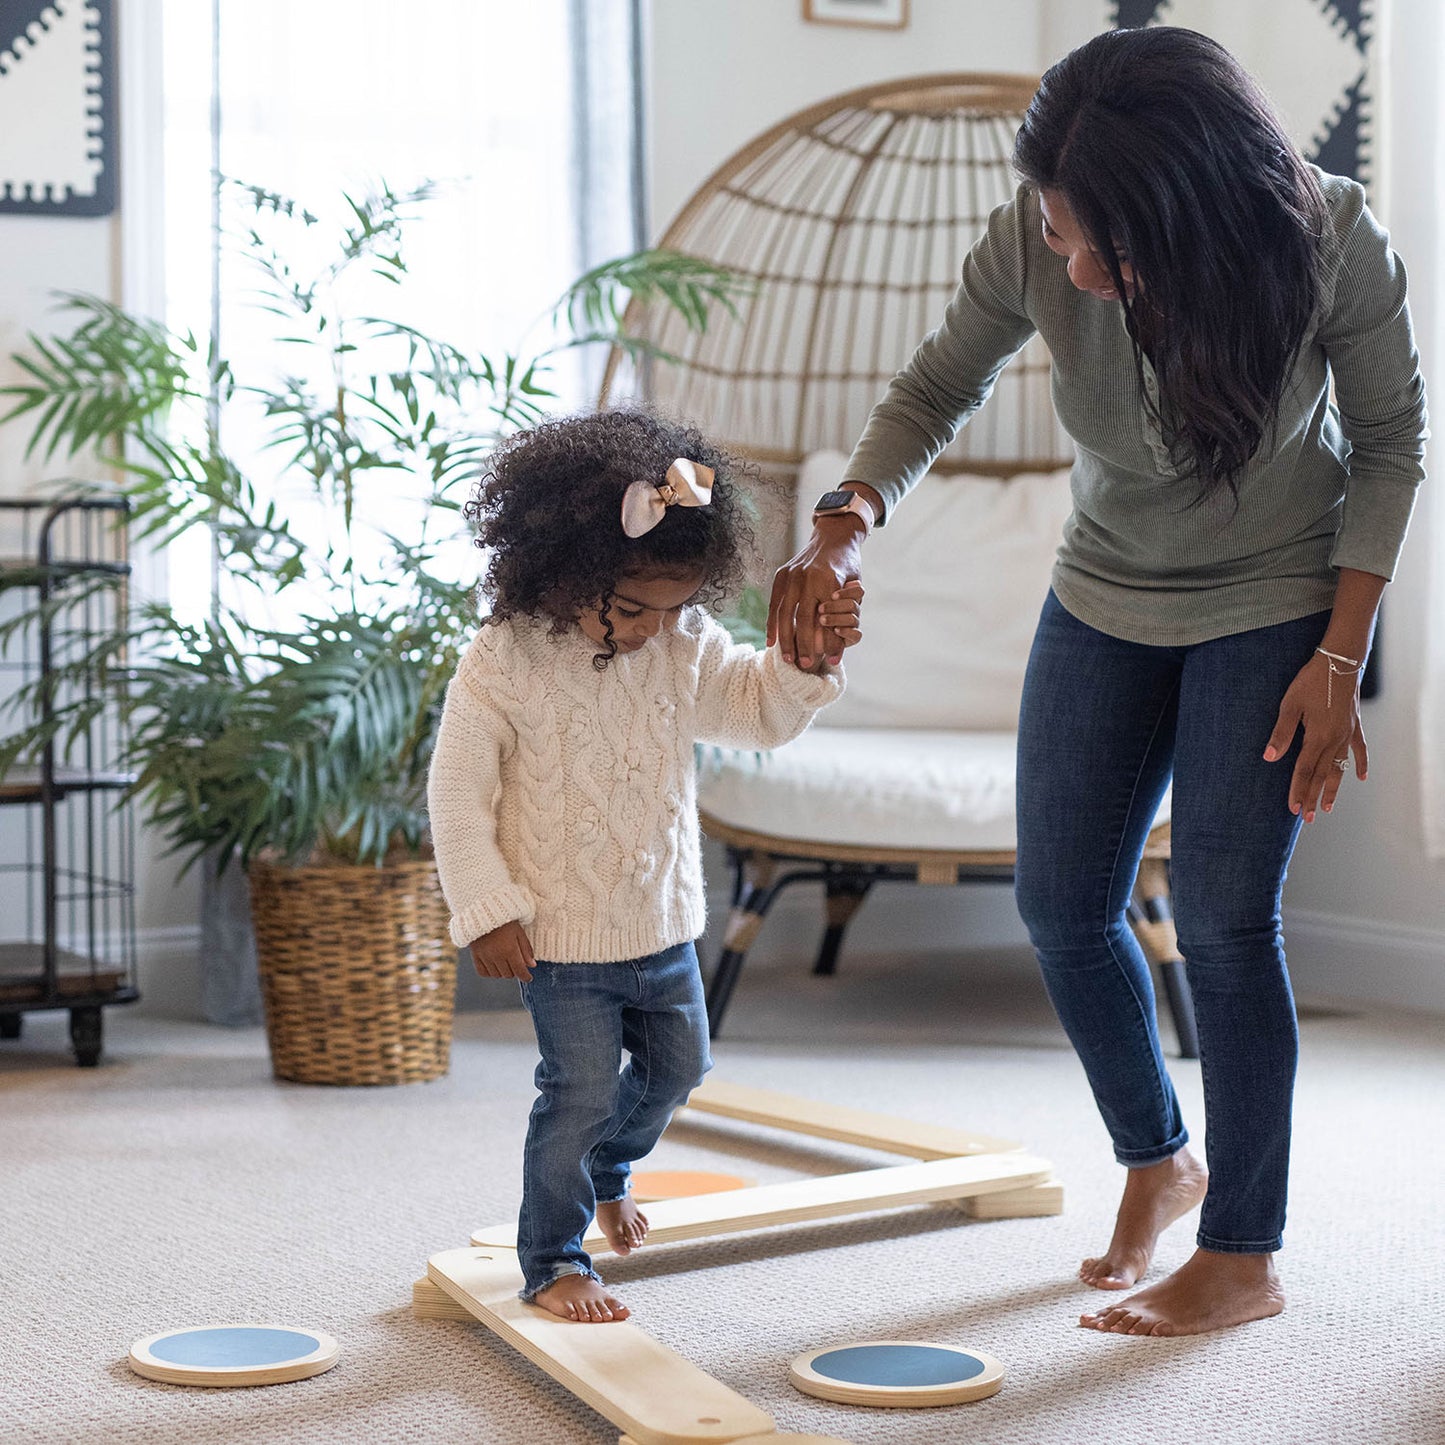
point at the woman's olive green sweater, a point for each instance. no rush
(1143, 557)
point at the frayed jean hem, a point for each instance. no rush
(530, 1292)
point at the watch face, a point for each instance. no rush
(832, 501)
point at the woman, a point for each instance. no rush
(1201, 289)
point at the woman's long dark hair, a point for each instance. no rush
(1164, 147)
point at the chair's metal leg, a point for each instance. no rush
(845, 892)
(720, 988)
(1181, 1005)
(755, 896)
(1153, 924)
(751, 899)
(739, 859)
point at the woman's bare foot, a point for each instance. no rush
(581, 1299)
(1154, 1197)
(1209, 1292)
(624, 1224)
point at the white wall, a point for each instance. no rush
(108, 257)
(724, 70)
(44, 255)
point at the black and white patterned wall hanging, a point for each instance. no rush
(1314, 57)
(57, 108)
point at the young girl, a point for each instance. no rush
(563, 795)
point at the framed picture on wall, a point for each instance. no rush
(872, 14)
(57, 108)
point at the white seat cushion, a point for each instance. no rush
(909, 788)
(955, 582)
(871, 787)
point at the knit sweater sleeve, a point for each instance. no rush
(752, 699)
(954, 368)
(461, 801)
(1381, 398)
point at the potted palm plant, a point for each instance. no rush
(286, 725)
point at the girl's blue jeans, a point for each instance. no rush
(590, 1121)
(1103, 725)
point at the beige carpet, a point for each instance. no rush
(179, 1185)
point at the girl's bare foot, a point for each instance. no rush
(624, 1224)
(1154, 1197)
(581, 1299)
(1209, 1292)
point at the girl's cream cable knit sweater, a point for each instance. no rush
(566, 798)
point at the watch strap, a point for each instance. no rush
(857, 504)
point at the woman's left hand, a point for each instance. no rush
(1329, 712)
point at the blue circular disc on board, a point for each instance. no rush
(233, 1347)
(907, 1366)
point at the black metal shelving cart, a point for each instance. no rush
(67, 837)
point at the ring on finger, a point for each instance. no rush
(1342, 763)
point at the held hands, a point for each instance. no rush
(505, 952)
(839, 615)
(1329, 711)
(809, 588)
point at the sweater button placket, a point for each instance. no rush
(1153, 437)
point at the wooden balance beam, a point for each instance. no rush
(654, 1395)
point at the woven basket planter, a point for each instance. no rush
(358, 974)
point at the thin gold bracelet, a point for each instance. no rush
(1331, 658)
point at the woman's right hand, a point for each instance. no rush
(505, 952)
(831, 558)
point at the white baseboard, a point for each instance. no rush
(1367, 960)
(1370, 960)
(1349, 958)
(168, 972)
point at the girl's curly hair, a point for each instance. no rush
(548, 511)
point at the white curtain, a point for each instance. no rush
(528, 116)
(525, 113)
(1432, 694)
(1430, 523)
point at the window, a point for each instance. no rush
(505, 105)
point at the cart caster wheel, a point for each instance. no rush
(10, 1025)
(85, 1032)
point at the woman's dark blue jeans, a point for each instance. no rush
(1103, 726)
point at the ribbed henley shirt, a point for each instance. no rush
(1143, 558)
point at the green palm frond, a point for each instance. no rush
(114, 374)
(597, 300)
(316, 736)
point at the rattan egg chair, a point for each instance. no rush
(851, 219)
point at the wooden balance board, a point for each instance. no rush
(230, 1355)
(897, 1374)
(654, 1396)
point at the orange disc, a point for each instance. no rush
(654, 1184)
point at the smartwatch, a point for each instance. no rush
(835, 503)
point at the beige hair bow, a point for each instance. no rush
(645, 504)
